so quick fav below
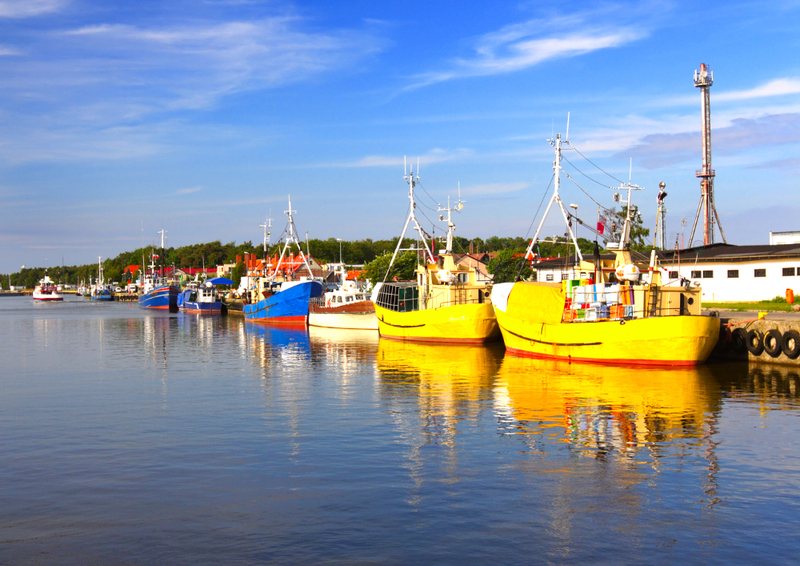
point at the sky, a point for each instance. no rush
(201, 117)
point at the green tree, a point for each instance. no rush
(509, 265)
(639, 234)
(403, 267)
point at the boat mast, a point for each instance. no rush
(556, 198)
(291, 238)
(451, 227)
(411, 179)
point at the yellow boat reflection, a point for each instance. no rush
(450, 380)
(603, 408)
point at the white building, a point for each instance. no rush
(738, 273)
(778, 238)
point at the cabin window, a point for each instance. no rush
(549, 277)
(733, 274)
(788, 271)
(697, 274)
(673, 275)
(760, 273)
(708, 274)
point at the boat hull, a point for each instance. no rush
(528, 327)
(472, 323)
(202, 308)
(188, 302)
(47, 298)
(354, 316)
(103, 296)
(288, 306)
(160, 298)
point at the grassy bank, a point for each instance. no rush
(774, 305)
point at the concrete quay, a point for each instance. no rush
(758, 337)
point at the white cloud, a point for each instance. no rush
(189, 190)
(776, 87)
(435, 155)
(14, 9)
(521, 46)
(116, 78)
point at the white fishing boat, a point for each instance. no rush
(47, 290)
(348, 307)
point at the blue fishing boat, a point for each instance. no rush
(286, 303)
(100, 291)
(156, 292)
(159, 296)
(203, 298)
(280, 296)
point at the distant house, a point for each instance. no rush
(478, 261)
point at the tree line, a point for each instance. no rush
(507, 264)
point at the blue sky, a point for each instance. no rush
(118, 118)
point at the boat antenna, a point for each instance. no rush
(412, 179)
(660, 238)
(630, 210)
(267, 226)
(556, 198)
(451, 227)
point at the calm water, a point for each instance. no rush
(129, 437)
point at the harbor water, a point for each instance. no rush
(134, 437)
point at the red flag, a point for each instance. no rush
(601, 225)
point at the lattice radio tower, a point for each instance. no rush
(703, 79)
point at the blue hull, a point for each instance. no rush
(202, 308)
(102, 297)
(288, 306)
(162, 298)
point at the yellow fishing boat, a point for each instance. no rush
(446, 303)
(534, 322)
(612, 311)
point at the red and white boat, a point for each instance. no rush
(47, 290)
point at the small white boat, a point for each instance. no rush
(47, 290)
(347, 307)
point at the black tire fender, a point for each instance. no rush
(773, 342)
(755, 342)
(790, 344)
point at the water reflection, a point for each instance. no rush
(449, 383)
(283, 350)
(600, 411)
(771, 387)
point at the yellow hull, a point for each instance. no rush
(530, 327)
(462, 324)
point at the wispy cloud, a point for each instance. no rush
(435, 155)
(521, 46)
(189, 190)
(667, 149)
(106, 78)
(776, 87)
(16, 9)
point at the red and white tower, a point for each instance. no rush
(703, 79)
